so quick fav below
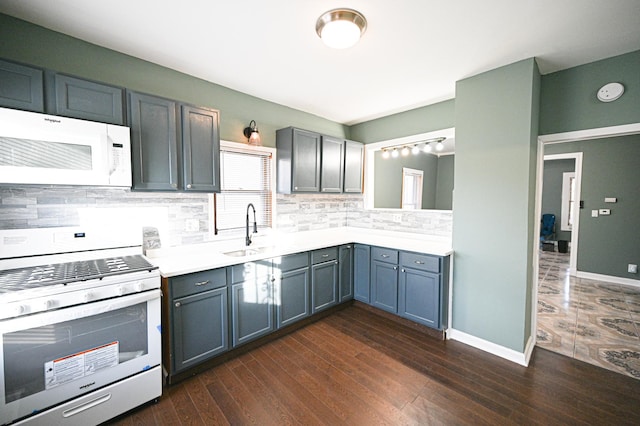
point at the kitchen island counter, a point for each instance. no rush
(174, 261)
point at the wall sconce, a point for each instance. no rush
(252, 134)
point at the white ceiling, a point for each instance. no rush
(411, 55)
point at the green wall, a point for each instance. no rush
(610, 168)
(444, 183)
(569, 102)
(496, 144)
(34, 45)
(552, 191)
(420, 120)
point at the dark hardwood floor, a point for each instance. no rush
(357, 368)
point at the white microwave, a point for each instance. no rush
(47, 149)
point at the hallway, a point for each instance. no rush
(592, 321)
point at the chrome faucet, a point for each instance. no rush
(255, 224)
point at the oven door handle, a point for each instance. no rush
(87, 405)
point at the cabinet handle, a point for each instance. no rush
(395, 268)
(404, 270)
(384, 255)
(198, 284)
(325, 255)
(178, 304)
(347, 247)
(335, 262)
(296, 188)
(419, 262)
(189, 186)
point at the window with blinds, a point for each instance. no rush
(246, 177)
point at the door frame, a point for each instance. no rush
(579, 135)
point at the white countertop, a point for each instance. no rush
(199, 257)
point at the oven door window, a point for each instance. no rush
(55, 356)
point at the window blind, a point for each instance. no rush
(245, 178)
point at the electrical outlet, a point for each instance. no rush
(632, 268)
(594, 213)
(396, 217)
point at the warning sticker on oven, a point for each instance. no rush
(66, 369)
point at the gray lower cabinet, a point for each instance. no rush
(324, 279)
(362, 272)
(88, 100)
(198, 328)
(422, 290)
(384, 279)
(345, 280)
(21, 87)
(353, 167)
(251, 301)
(292, 288)
(332, 160)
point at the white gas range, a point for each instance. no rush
(80, 337)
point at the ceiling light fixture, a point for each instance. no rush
(385, 154)
(341, 28)
(394, 153)
(439, 146)
(252, 134)
(415, 150)
(427, 148)
(404, 151)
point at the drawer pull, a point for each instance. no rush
(178, 304)
(347, 247)
(395, 268)
(384, 255)
(325, 255)
(404, 270)
(419, 262)
(201, 283)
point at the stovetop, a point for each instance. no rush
(62, 273)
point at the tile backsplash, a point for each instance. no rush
(184, 218)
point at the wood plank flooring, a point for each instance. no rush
(356, 368)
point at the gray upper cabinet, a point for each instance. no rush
(201, 149)
(174, 146)
(332, 159)
(298, 160)
(78, 98)
(154, 142)
(21, 87)
(353, 167)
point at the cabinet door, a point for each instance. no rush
(154, 142)
(353, 167)
(332, 160)
(88, 100)
(384, 286)
(324, 285)
(345, 263)
(361, 273)
(292, 296)
(251, 309)
(199, 327)
(305, 161)
(201, 145)
(21, 87)
(420, 296)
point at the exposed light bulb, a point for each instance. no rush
(394, 153)
(385, 154)
(439, 146)
(427, 148)
(415, 150)
(404, 151)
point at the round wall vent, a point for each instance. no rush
(610, 92)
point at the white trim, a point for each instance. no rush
(575, 232)
(566, 200)
(598, 133)
(521, 358)
(609, 279)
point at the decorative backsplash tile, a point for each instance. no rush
(184, 218)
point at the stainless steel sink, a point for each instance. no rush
(246, 252)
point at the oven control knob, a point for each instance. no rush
(138, 286)
(48, 304)
(120, 290)
(19, 310)
(88, 296)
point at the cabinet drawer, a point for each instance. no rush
(384, 255)
(420, 261)
(198, 282)
(324, 255)
(250, 271)
(292, 262)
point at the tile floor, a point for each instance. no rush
(593, 321)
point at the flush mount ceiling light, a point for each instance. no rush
(341, 28)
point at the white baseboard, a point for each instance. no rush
(521, 358)
(608, 278)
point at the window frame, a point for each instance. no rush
(246, 149)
